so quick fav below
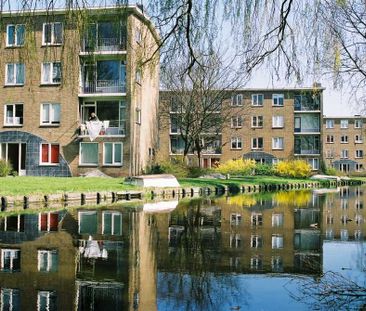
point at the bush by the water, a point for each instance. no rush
(330, 171)
(5, 168)
(264, 170)
(236, 167)
(293, 169)
(178, 169)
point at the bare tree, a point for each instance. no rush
(197, 104)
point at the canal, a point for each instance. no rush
(294, 250)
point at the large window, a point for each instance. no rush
(9, 299)
(15, 73)
(51, 73)
(257, 99)
(112, 223)
(277, 121)
(49, 154)
(50, 114)
(89, 153)
(277, 100)
(13, 114)
(10, 260)
(15, 35)
(257, 143)
(52, 33)
(236, 143)
(88, 222)
(47, 260)
(113, 153)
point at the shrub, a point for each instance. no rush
(177, 169)
(293, 169)
(195, 172)
(330, 171)
(236, 167)
(5, 168)
(263, 169)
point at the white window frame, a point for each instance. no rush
(329, 124)
(236, 122)
(344, 139)
(113, 222)
(328, 140)
(52, 120)
(256, 123)
(238, 141)
(277, 220)
(52, 34)
(278, 121)
(256, 101)
(48, 294)
(14, 74)
(15, 35)
(276, 145)
(49, 259)
(50, 78)
(49, 154)
(344, 154)
(358, 124)
(14, 117)
(257, 140)
(12, 253)
(357, 139)
(237, 100)
(114, 162)
(277, 241)
(278, 97)
(314, 163)
(359, 154)
(256, 241)
(235, 219)
(88, 164)
(344, 124)
(235, 240)
(256, 219)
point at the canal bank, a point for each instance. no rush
(188, 189)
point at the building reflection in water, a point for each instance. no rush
(117, 258)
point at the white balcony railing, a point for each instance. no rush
(104, 44)
(107, 129)
(104, 86)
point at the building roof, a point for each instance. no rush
(357, 116)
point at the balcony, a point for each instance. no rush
(104, 45)
(109, 128)
(307, 151)
(307, 130)
(306, 103)
(103, 87)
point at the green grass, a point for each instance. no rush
(249, 180)
(28, 185)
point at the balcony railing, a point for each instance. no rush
(104, 45)
(307, 151)
(104, 86)
(309, 130)
(108, 128)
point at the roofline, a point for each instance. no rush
(345, 117)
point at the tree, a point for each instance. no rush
(196, 104)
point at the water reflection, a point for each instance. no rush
(244, 252)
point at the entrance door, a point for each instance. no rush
(15, 154)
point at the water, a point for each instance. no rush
(297, 250)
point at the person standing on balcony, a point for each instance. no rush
(93, 117)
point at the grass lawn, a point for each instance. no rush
(238, 181)
(26, 185)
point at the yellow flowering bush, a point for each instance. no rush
(293, 169)
(236, 167)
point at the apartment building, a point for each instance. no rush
(267, 125)
(56, 69)
(344, 148)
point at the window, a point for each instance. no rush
(51, 73)
(344, 154)
(49, 154)
(138, 76)
(46, 300)
(329, 124)
(277, 241)
(256, 241)
(256, 263)
(277, 264)
(50, 114)
(235, 241)
(89, 153)
(277, 121)
(15, 35)
(344, 139)
(344, 124)
(9, 299)
(236, 122)
(113, 153)
(330, 220)
(47, 260)
(277, 100)
(359, 167)
(256, 219)
(138, 35)
(237, 100)
(236, 143)
(257, 99)
(277, 220)
(329, 154)
(358, 235)
(13, 114)
(329, 234)
(235, 219)
(10, 260)
(257, 121)
(344, 235)
(14, 74)
(358, 219)
(358, 124)
(277, 143)
(48, 222)
(358, 139)
(359, 153)
(52, 33)
(88, 222)
(257, 143)
(138, 116)
(330, 139)
(112, 223)
(314, 163)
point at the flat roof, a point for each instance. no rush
(266, 89)
(345, 117)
